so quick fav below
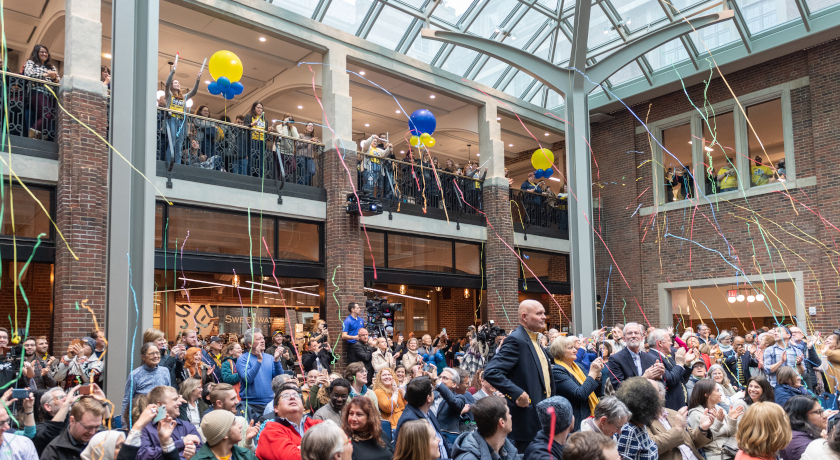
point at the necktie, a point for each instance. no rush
(638, 363)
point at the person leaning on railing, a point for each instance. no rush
(306, 155)
(255, 120)
(40, 66)
(285, 146)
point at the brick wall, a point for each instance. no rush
(457, 313)
(81, 214)
(800, 242)
(502, 264)
(37, 285)
(344, 249)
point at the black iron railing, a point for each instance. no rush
(413, 183)
(217, 145)
(531, 209)
(32, 107)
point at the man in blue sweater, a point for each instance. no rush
(256, 369)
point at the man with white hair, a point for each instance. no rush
(521, 371)
(675, 376)
(633, 361)
(256, 369)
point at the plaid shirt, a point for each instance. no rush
(773, 355)
(634, 443)
(38, 71)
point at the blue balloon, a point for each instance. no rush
(539, 174)
(213, 88)
(422, 121)
(224, 83)
(237, 88)
(228, 94)
(548, 173)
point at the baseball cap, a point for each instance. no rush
(216, 338)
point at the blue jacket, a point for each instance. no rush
(150, 448)
(412, 413)
(785, 392)
(255, 377)
(585, 358)
(449, 412)
(578, 394)
(538, 449)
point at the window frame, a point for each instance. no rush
(741, 142)
(51, 209)
(452, 242)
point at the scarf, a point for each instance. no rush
(578, 374)
(725, 348)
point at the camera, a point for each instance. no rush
(380, 315)
(487, 333)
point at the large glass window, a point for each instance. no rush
(390, 27)
(347, 15)
(719, 153)
(676, 157)
(159, 224)
(817, 5)
(767, 165)
(714, 36)
(217, 232)
(459, 60)
(411, 252)
(468, 258)
(377, 242)
(546, 266)
(298, 240)
(760, 15)
(30, 219)
(667, 54)
(423, 49)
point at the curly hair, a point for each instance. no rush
(372, 427)
(763, 430)
(642, 399)
(377, 381)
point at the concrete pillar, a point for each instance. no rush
(82, 191)
(501, 264)
(131, 196)
(344, 239)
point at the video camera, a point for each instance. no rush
(380, 315)
(487, 333)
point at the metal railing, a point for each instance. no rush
(221, 146)
(32, 108)
(415, 183)
(531, 209)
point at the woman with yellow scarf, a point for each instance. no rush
(583, 391)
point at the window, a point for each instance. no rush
(228, 234)
(30, 219)
(410, 252)
(667, 54)
(767, 165)
(377, 242)
(467, 258)
(677, 159)
(298, 240)
(159, 224)
(719, 154)
(548, 267)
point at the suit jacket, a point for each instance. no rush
(516, 369)
(733, 363)
(412, 413)
(675, 377)
(577, 393)
(668, 441)
(364, 354)
(621, 366)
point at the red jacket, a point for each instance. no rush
(279, 441)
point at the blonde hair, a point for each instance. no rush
(413, 441)
(377, 381)
(559, 345)
(764, 430)
(188, 386)
(151, 335)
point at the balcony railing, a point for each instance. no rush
(32, 108)
(412, 183)
(532, 211)
(217, 145)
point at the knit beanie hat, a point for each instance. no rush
(216, 425)
(562, 412)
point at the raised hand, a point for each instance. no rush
(707, 420)
(735, 412)
(252, 431)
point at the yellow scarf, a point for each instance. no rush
(578, 374)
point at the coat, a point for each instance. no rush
(449, 412)
(515, 369)
(675, 378)
(381, 361)
(237, 453)
(621, 366)
(721, 433)
(279, 441)
(410, 359)
(734, 364)
(62, 448)
(364, 354)
(577, 394)
(150, 448)
(797, 445)
(785, 392)
(45, 432)
(819, 450)
(411, 413)
(471, 446)
(668, 441)
(538, 449)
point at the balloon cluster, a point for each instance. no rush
(422, 124)
(226, 68)
(542, 160)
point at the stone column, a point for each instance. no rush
(82, 190)
(501, 264)
(344, 238)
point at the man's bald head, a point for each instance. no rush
(532, 315)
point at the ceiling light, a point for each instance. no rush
(546, 134)
(106, 55)
(709, 149)
(750, 298)
(361, 72)
(262, 39)
(432, 96)
(220, 284)
(397, 294)
(740, 297)
(689, 142)
(498, 118)
(402, 151)
(398, 111)
(510, 145)
(731, 299)
(759, 297)
(367, 125)
(554, 179)
(300, 106)
(207, 82)
(283, 289)
(478, 154)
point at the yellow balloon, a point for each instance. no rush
(425, 137)
(542, 159)
(415, 141)
(430, 142)
(225, 64)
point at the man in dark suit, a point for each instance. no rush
(675, 374)
(737, 363)
(521, 371)
(419, 398)
(633, 361)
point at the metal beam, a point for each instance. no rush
(740, 25)
(805, 13)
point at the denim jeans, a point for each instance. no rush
(373, 178)
(304, 166)
(240, 166)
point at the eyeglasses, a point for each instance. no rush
(88, 429)
(152, 355)
(816, 412)
(288, 396)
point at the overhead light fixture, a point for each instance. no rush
(284, 289)
(398, 111)
(235, 281)
(478, 154)
(207, 82)
(709, 149)
(367, 125)
(750, 298)
(546, 134)
(432, 96)
(106, 55)
(220, 284)
(740, 297)
(402, 151)
(689, 142)
(759, 297)
(397, 294)
(361, 72)
(510, 145)
(402, 289)
(300, 106)
(438, 289)
(466, 293)
(498, 118)
(554, 179)
(262, 39)
(731, 299)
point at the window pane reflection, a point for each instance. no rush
(377, 242)
(468, 258)
(409, 252)
(547, 267)
(767, 165)
(30, 219)
(719, 154)
(679, 183)
(228, 234)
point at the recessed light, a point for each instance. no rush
(689, 142)
(300, 106)
(262, 39)
(366, 125)
(207, 82)
(546, 134)
(398, 111)
(432, 96)
(510, 145)
(402, 151)
(106, 55)
(361, 72)
(478, 154)
(498, 118)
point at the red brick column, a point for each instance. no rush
(344, 247)
(81, 214)
(501, 263)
